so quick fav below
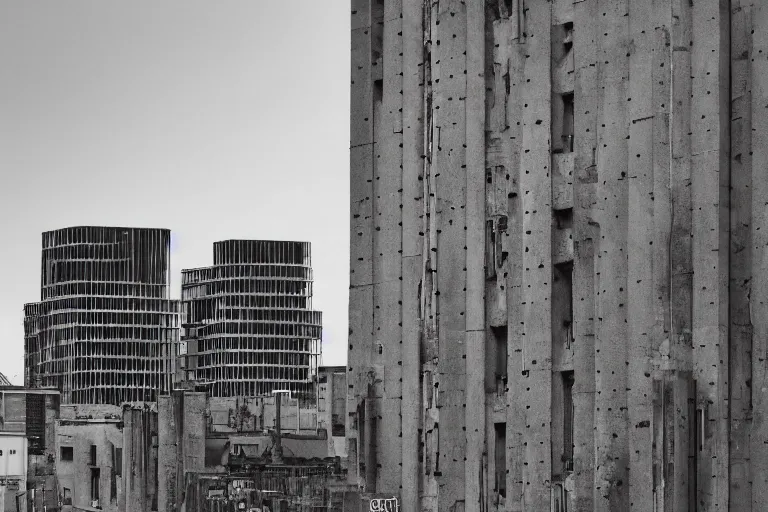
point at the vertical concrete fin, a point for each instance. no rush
(361, 223)
(536, 199)
(710, 228)
(678, 21)
(611, 343)
(586, 239)
(387, 26)
(412, 200)
(640, 247)
(514, 57)
(742, 270)
(449, 82)
(758, 33)
(475, 342)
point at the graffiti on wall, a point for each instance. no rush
(384, 505)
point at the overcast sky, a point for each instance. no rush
(217, 120)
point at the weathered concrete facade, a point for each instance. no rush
(106, 458)
(89, 444)
(558, 254)
(140, 458)
(332, 407)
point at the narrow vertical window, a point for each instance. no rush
(500, 337)
(95, 484)
(490, 249)
(562, 314)
(500, 456)
(568, 379)
(567, 135)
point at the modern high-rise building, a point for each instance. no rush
(559, 254)
(248, 324)
(105, 330)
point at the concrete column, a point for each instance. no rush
(361, 310)
(757, 33)
(640, 246)
(536, 219)
(586, 238)
(129, 460)
(167, 455)
(193, 431)
(611, 350)
(709, 194)
(412, 199)
(387, 30)
(475, 342)
(449, 72)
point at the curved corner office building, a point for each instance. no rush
(105, 330)
(248, 323)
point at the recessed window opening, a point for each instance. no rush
(500, 445)
(567, 135)
(568, 379)
(500, 337)
(568, 39)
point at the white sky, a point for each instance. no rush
(217, 120)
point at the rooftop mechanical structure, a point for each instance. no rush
(105, 330)
(248, 326)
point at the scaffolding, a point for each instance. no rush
(248, 325)
(105, 330)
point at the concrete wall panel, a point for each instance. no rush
(536, 196)
(449, 86)
(759, 242)
(454, 237)
(709, 195)
(640, 266)
(611, 348)
(586, 233)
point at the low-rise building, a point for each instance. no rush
(217, 452)
(89, 443)
(27, 448)
(106, 458)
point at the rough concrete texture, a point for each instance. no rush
(90, 411)
(81, 480)
(605, 233)
(332, 408)
(140, 458)
(166, 453)
(182, 427)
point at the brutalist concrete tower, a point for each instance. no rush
(248, 323)
(105, 330)
(559, 254)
